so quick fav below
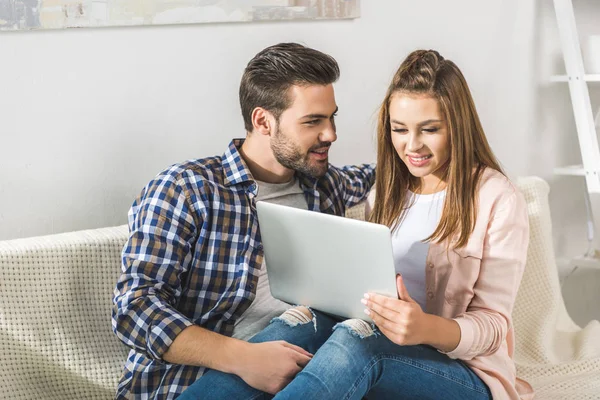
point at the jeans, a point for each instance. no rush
(219, 385)
(349, 365)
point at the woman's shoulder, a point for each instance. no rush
(493, 182)
(495, 187)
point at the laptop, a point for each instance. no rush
(325, 261)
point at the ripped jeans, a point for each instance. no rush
(352, 362)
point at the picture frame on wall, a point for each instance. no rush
(18, 15)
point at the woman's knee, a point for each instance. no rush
(357, 328)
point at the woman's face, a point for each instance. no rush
(420, 137)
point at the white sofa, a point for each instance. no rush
(56, 340)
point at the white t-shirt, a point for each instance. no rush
(265, 307)
(410, 252)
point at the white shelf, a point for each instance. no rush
(565, 78)
(585, 262)
(571, 170)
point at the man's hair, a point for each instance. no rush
(270, 74)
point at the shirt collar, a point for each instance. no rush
(234, 167)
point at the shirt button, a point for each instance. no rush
(430, 295)
(430, 265)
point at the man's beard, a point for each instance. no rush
(289, 154)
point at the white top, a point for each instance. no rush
(265, 307)
(410, 252)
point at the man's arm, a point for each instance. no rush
(158, 252)
(268, 366)
(156, 255)
(201, 347)
(356, 182)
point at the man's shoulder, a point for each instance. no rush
(192, 179)
(200, 170)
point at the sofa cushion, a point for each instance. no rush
(56, 291)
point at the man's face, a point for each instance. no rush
(306, 130)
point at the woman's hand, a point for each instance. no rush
(400, 320)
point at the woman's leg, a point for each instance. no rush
(355, 363)
(290, 327)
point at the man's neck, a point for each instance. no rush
(259, 158)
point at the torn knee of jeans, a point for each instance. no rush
(297, 316)
(357, 327)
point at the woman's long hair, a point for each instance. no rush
(426, 72)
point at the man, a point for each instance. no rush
(194, 288)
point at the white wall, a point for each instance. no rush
(88, 116)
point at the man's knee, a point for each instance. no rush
(356, 327)
(297, 316)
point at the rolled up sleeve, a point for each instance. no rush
(157, 253)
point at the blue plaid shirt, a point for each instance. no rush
(193, 256)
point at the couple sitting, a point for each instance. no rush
(193, 301)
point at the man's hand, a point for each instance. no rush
(270, 366)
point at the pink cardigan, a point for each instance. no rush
(477, 285)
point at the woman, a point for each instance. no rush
(460, 235)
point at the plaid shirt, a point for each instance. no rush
(193, 256)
